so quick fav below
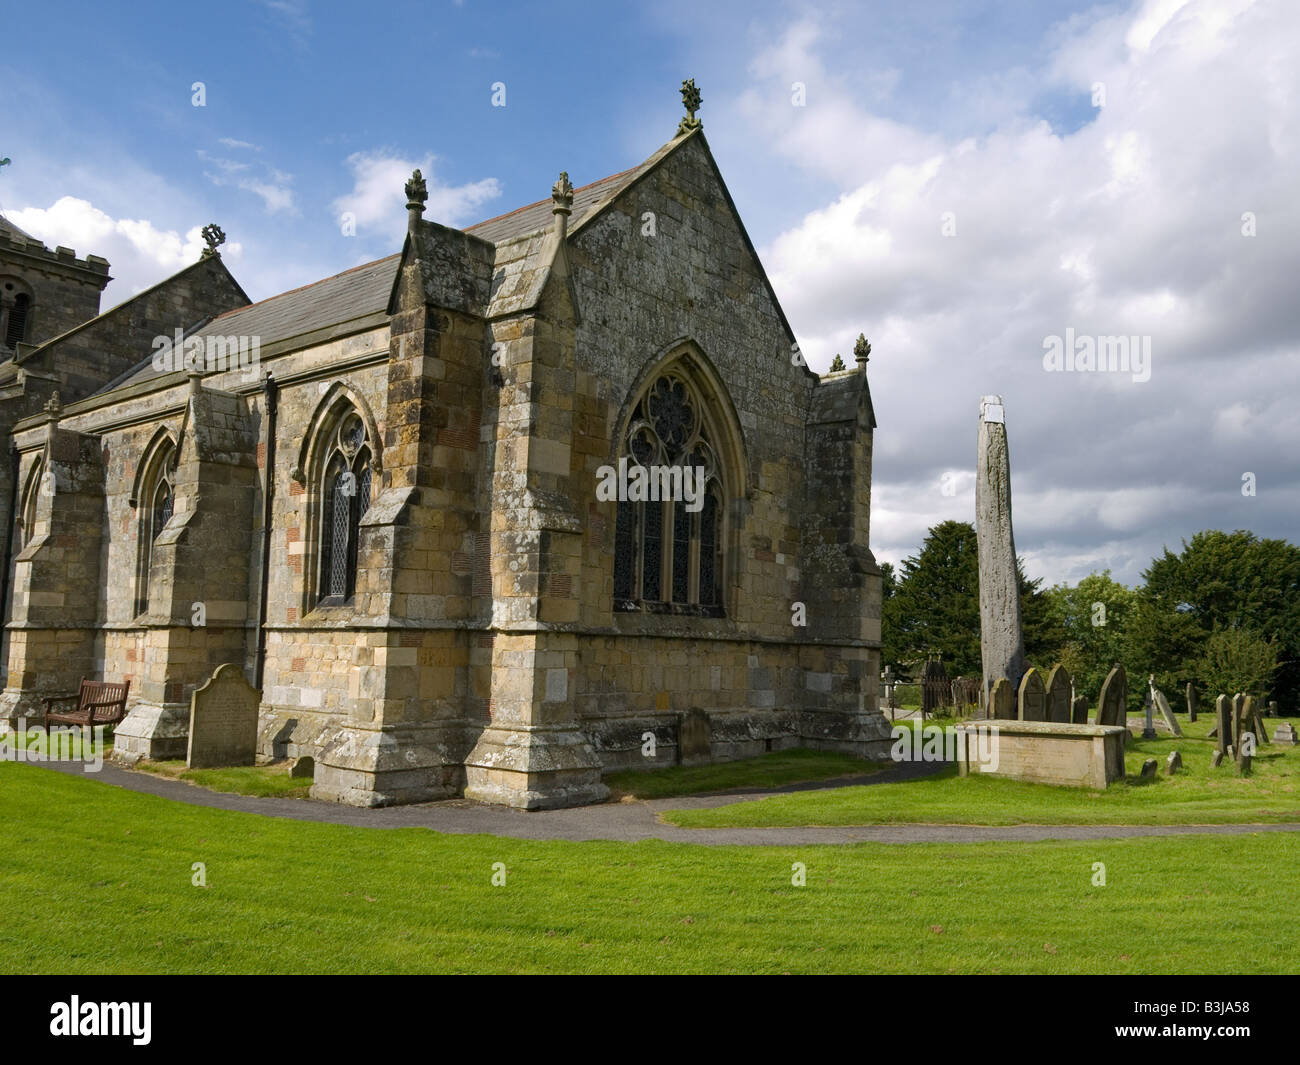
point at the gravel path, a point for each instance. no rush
(637, 820)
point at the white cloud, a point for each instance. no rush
(378, 201)
(1130, 225)
(139, 253)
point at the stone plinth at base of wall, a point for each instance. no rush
(152, 730)
(866, 733)
(534, 768)
(372, 767)
(1044, 752)
(15, 703)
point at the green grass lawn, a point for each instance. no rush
(1198, 795)
(262, 781)
(106, 875)
(766, 771)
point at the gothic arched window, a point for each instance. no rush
(668, 534)
(345, 498)
(156, 506)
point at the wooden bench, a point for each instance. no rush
(96, 703)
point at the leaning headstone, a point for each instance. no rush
(303, 767)
(1285, 733)
(1149, 768)
(1002, 645)
(1059, 687)
(1173, 763)
(1080, 715)
(1193, 701)
(695, 738)
(1031, 701)
(223, 721)
(1217, 760)
(1255, 721)
(1112, 707)
(1231, 753)
(1223, 722)
(1001, 702)
(1162, 704)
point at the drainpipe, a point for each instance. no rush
(14, 460)
(271, 391)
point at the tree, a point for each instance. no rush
(935, 605)
(837, 363)
(1238, 660)
(1219, 581)
(1093, 619)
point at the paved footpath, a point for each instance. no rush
(636, 820)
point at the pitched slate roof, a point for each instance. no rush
(519, 238)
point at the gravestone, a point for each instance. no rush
(1162, 704)
(303, 767)
(1059, 686)
(1192, 701)
(695, 738)
(1001, 702)
(1148, 708)
(1285, 734)
(1031, 703)
(223, 721)
(1238, 721)
(1080, 710)
(1002, 644)
(1217, 760)
(1112, 707)
(1149, 768)
(1255, 720)
(1223, 722)
(1173, 763)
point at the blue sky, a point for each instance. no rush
(1114, 215)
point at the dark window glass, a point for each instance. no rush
(340, 512)
(653, 558)
(16, 330)
(624, 550)
(162, 507)
(708, 550)
(681, 552)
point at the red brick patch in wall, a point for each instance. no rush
(298, 665)
(291, 614)
(296, 488)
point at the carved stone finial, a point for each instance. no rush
(215, 236)
(862, 350)
(562, 193)
(52, 405)
(691, 101)
(417, 195)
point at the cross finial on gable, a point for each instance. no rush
(691, 101)
(214, 236)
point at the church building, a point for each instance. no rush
(515, 506)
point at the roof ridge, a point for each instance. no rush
(538, 203)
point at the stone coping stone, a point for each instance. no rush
(1042, 728)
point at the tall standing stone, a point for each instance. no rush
(1112, 706)
(1167, 713)
(1080, 710)
(1238, 720)
(1192, 701)
(1002, 646)
(1031, 700)
(1059, 688)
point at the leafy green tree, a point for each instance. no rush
(1219, 581)
(1093, 618)
(1238, 660)
(936, 605)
